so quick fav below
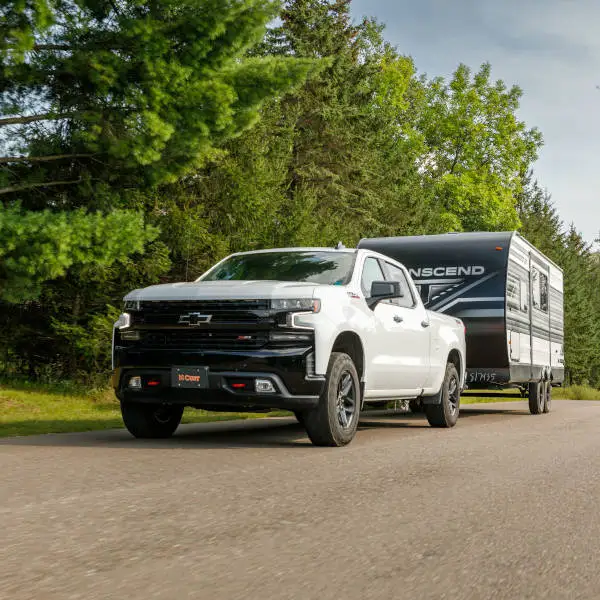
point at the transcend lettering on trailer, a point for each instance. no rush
(447, 271)
(191, 378)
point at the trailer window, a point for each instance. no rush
(525, 296)
(543, 292)
(539, 283)
(513, 292)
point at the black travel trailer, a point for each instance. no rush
(508, 294)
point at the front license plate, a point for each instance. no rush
(189, 377)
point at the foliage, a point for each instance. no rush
(577, 392)
(477, 148)
(100, 103)
(39, 246)
(101, 100)
(140, 90)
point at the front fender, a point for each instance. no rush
(328, 325)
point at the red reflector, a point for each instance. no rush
(499, 248)
(153, 383)
(238, 386)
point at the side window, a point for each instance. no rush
(371, 272)
(535, 287)
(396, 274)
(543, 292)
(525, 296)
(539, 281)
(513, 292)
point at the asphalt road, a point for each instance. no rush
(505, 505)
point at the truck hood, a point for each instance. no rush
(224, 290)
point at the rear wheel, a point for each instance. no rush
(445, 412)
(335, 420)
(536, 397)
(151, 420)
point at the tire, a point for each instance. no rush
(536, 397)
(415, 407)
(299, 417)
(151, 421)
(335, 420)
(445, 414)
(547, 396)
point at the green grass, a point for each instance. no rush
(577, 392)
(30, 409)
(574, 392)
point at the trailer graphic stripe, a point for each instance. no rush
(461, 292)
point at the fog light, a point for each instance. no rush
(264, 386)
(135, 383)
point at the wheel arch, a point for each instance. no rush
(350, 343)
(455, 357)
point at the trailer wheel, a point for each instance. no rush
(445, 413)
(547, 396)
(536, 398)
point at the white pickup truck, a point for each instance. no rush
(318, 331)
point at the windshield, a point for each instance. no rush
(328, 268)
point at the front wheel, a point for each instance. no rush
(445, 412)
(152, 421)
(299, 417)
(335, 420)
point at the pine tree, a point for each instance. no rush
(99, 100)
(542, 226)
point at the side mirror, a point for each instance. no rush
(384, 290)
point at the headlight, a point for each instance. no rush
(123, 322)
(297, 304)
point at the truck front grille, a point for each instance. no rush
(199, 340)
(232, 312)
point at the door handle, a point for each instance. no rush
(398, 318)
(425, 323)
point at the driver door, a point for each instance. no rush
(412, 332)
(387, 348)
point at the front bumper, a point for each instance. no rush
(289, 370)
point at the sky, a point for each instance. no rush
(549, 48)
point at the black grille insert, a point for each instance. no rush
(200, 339)
(169, 313)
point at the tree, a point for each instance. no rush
(99, 99)
(477, 149)
(101, 104)
(351, 169)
